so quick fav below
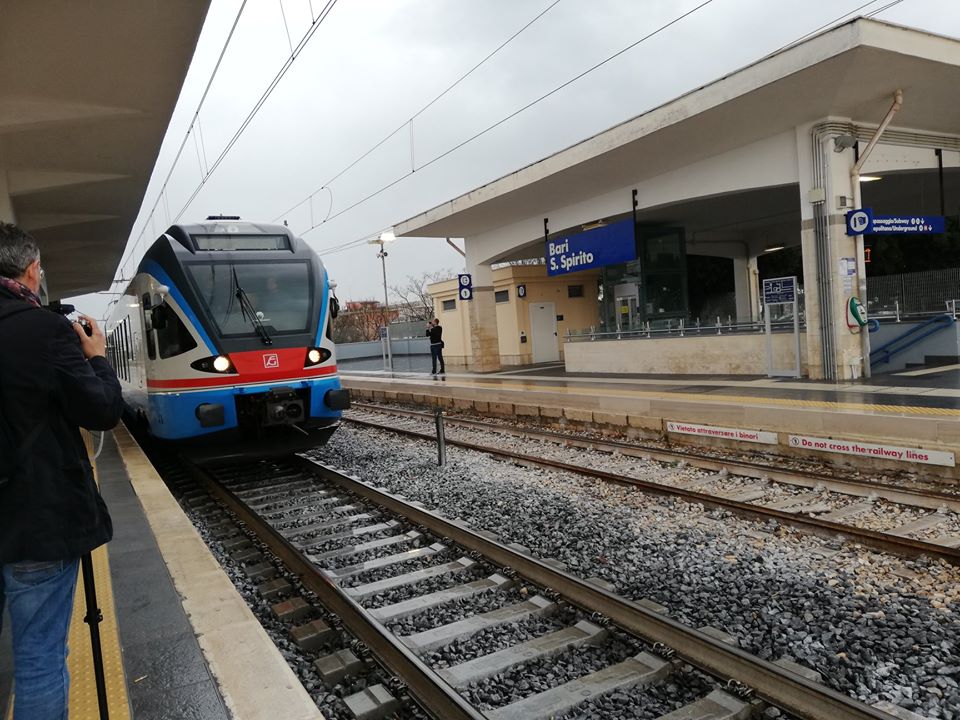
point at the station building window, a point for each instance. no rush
(651, 289)
(502, 296)
(449, 305)
(574, 291)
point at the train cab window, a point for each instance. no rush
(174, 338)
(279, 294)
(151, 345)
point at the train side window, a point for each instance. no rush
(174, 338)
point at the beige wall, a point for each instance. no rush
(513, 317)
(705, 355)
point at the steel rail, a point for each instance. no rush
(825, 528)
(423, 683)
(786, 690)
(931, 499)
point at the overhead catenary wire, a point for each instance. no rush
(259, 104)
(419, 112)
(363, 239)
(512, 115)
(186, 137)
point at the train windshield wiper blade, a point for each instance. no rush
(247, 310)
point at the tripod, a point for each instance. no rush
(93, 618)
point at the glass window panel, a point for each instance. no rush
(278, 291)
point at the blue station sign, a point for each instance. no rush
(778, 291)
(606, 245)
(863, 222)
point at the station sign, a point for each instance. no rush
(606, 245)
(779, 290)
(465, 282)
(755, 436)
(862, 221)
(873, 451)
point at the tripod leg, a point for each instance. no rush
(93, 618)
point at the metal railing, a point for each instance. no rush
(679, 328)
(916, 294)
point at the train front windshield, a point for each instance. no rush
(278, 293)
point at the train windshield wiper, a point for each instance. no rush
(249, 312)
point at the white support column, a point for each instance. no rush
(745, 279)
(6, 202)
(484, 339)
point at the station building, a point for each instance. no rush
(671, 221)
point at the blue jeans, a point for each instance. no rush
(436, 353)
(39, 596)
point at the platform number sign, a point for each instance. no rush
(521, 291)
(466, 286)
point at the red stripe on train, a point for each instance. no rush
(242, 378)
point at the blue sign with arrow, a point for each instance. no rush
(863, 222)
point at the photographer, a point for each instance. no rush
(54, 378)
(435, 333)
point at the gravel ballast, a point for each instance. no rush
(875, 626)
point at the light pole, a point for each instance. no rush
(384, 238)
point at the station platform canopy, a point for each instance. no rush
(847, 72)
(86, 93)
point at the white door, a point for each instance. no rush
(543, 332)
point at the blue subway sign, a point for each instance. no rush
(606, 245)
(863, 222)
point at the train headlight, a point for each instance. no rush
(216, 364)
(315, 356)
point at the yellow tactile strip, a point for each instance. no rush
(83, 687)
(83, 702)
(870, 408)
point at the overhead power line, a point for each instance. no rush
(362, 239)
(418, 113)
(186, 138)
(259, 104)
(502, 120)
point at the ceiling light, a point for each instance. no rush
(594, 225)
(774, 248)
(870, 178)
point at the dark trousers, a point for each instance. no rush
(436, 354)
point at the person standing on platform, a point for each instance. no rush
(54, 379)
(435, 333)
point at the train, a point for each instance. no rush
(223, 336)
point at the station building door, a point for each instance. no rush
(543, 332)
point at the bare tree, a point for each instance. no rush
(360, 321)
(414, 297)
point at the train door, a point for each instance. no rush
(543, 332)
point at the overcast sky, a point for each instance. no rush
(373, 64)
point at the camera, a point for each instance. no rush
(67, 309)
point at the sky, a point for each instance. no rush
(371, 66)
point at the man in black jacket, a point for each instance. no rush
(435, 333)
(54, 378)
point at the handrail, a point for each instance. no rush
(885, 352)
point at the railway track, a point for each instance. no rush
(826, 506)
(403, 579)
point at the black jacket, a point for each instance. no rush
(51, 508)
(435, 334)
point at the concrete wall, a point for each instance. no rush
(701, 355)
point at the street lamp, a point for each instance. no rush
(385, 237)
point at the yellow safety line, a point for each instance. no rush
(877, 409)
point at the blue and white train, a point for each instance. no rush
(225, 334)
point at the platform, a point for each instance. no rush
(914, 411)
(179, 641)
